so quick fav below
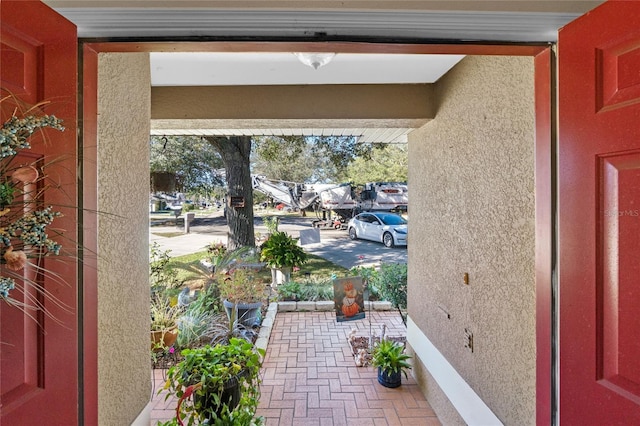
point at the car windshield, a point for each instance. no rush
(392, 219)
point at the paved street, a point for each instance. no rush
(334, 245)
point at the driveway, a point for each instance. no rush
(334, 245)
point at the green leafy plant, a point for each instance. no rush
(223, 328)
(202, 325)
(193, 326)
(201, 382)
(6, 193)
(389, 356)
(281, 250)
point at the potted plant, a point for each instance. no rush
(389, 357)
(217, 384)
(165, 313)
(281, 252)
(242, 295)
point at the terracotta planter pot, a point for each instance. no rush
(164, 338)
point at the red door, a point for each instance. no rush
(39, 365)
(599, 216)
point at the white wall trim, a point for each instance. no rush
(468, 404)
(144, 418)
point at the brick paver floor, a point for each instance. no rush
(310, 377)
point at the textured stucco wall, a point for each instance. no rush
(124, 383)
(471, 172)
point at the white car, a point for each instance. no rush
(389, 229)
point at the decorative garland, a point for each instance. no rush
(23, 223)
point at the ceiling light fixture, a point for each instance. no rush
(315, 60)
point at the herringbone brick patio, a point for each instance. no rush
(310, 377)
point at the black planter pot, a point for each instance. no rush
(230, 397)
(249, 314)
(392, 380)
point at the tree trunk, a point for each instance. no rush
(235, 152)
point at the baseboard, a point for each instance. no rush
(144, 418)
(468, 404)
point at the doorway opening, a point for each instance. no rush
(91, 48)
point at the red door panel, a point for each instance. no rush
(599, 216)
(39, 365)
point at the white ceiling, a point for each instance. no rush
(217, 68)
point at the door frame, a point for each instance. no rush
(545, 177)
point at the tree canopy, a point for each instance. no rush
(309, 159)
(194, 161)
(199, 168)
(387, 163)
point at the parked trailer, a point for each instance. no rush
(335, 204)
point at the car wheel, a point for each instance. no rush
(387, 240)
(352, 234)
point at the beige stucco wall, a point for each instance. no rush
(124, 384)
(471, 173)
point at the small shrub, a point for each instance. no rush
(241, 286)
(390, 357)
(308, 289)
(161, 276)
(289, 291)
(369, 275)
(271, 223)
(193, 326)
(390, 282)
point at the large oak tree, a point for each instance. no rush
(235, 152)
(294, 158)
